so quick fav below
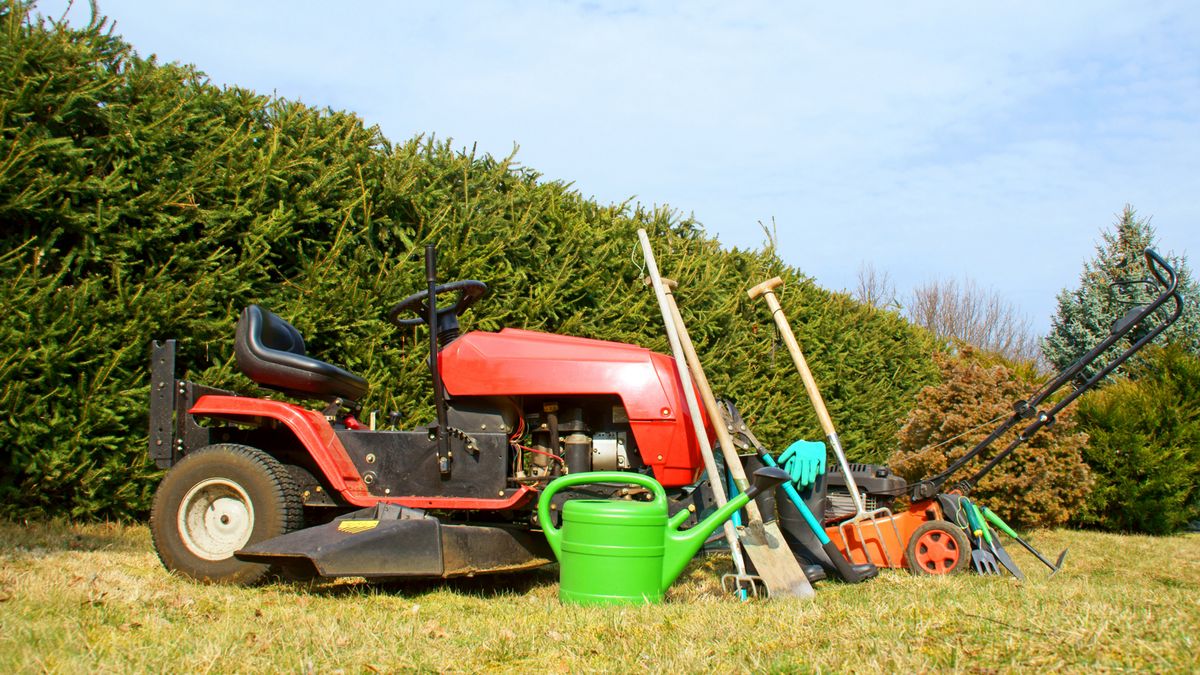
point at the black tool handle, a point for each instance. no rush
(766, 478)
(439, 397)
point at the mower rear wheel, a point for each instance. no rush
(938, 547)
(217, 500)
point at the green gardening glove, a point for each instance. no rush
(804, 461)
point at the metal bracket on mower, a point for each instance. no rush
(173, 432)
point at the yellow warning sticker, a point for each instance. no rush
(356, 526)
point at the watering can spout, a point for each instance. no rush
(681, 546)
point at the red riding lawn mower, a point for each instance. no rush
(257, 485)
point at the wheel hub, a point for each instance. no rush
(937, 552)
(216, 518)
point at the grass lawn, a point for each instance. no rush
(95, 598)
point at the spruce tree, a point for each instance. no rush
(1086, 314)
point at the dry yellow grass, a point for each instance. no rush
(94, 598)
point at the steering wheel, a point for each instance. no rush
(469, 291)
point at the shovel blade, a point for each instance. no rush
(774, 561)
(1008, 563)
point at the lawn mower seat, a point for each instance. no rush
(270, 351)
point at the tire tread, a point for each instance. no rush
(286, 496)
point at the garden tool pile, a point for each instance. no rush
(941, 532)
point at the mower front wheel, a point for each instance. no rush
(938, 547)
(217, 500)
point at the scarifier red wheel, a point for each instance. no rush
(938, 547)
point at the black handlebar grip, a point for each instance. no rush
(767, 478)
(430, 263)
(1156, 263)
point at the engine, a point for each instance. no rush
(878, 485)
(576, 436)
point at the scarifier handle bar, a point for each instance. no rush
(768, 285)
(1023, 410)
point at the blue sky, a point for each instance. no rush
(990, 141)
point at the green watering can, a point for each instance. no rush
(613, 551)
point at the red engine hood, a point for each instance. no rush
(527, 363)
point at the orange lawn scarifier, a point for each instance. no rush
(920, 538)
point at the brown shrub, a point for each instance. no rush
(1040, 484)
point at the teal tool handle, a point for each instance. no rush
(554, 534)
(1000, 524)
(969, 508)
(800, 505)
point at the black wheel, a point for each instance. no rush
(218, 500)
(938, 547)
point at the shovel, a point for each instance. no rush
(1003, 527)
(762, 541)
(981, 559)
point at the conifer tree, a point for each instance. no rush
(1086, 314)
(1042, 483)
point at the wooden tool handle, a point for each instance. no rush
(763, 541)
(768, 285)
(810, 385)
(733, 463)
(670, 284)
(793, 347)
(663, 293)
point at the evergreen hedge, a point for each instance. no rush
(138, 201)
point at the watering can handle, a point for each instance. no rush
(554, 534)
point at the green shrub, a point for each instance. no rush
(140, 202)
(1145, 445)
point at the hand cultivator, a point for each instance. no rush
(937, 530)
(1003, 526)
